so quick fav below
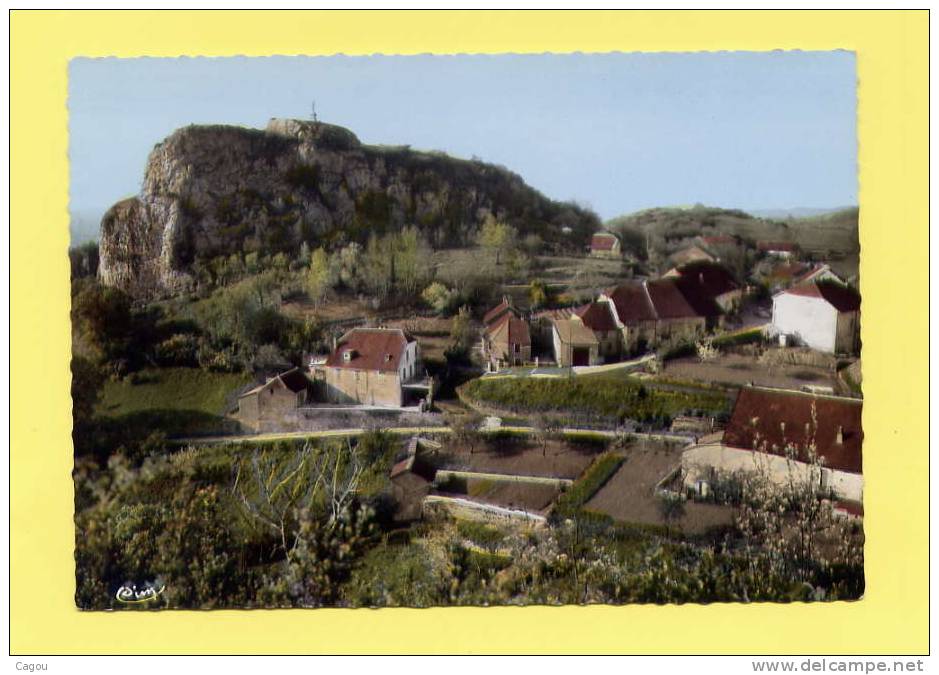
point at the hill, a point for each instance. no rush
(210, 191)
(829, 233)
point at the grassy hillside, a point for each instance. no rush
(173, 400)
(834, 231)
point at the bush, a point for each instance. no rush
(602, 469)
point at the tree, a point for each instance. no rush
(465, 429)
(547, 429)
(671, 507)
(87, 382)
(438, 297)
(537, 293)
(319, 278)
(461, 333)
(497, 237)
(275, 486)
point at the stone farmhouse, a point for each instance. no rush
(781, 433)
(648, 312)
(822, 314)
(585, 335)
(370, 366)
(605, 245)
(266, 406)
(506, 340)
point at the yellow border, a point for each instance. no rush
(892, 52)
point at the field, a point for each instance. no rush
(519, 455)
(739, 370)
(174, 400)
(628, 496)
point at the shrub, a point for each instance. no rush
(602, 469)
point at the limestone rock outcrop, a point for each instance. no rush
(215, 190)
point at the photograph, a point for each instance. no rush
(465, 330)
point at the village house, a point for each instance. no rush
(777, 249)
(266, 406)
(598, 317)
(823, 315)
(714, 280)
(690, 254)
(786, 274)
(605, 245)
(575, 344)
(786, 435)
(371, 366)
(648, 312)
(506, 340)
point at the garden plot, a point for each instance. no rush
(518, 455)
(740, 370)
(629, 495)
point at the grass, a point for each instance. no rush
(171, 389)
(604, 395)
(573, 499)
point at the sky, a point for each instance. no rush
(616, 132)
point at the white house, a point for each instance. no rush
(823, 315)
(775, 431)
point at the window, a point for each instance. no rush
(518, 348)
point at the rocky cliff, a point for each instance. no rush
(215, 190)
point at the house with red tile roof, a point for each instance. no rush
(370, 366)
(785, 434)
(689, 254)
(648, 312)
(714, 281)
(821, 314)
(605, 245)
(506, 340)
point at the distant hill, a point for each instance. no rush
(798, 212)
(833, 231)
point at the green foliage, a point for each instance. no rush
(497, 237)
(87, 383)
(754, 335)
(320, 277)
(439, 298)
(537, 293)
(480, 534)
(600, 471)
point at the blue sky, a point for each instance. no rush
(618, 132)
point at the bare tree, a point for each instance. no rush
(273, 486)
(465, 429)
(546, 429)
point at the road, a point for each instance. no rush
(406, 431)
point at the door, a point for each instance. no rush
(580, 356)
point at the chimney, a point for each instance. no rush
(701, 278)
(839, 437)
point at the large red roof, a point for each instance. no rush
(603, 241)
(370, 349)
(498, 311)
(841, 297)
(769, 419)
(631, 303)
(712, 278)
(597, 316)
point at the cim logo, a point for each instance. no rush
(130, 593)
